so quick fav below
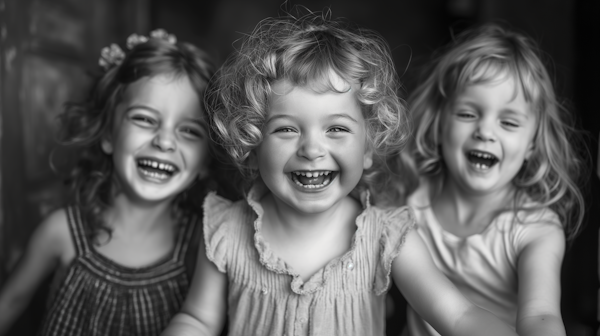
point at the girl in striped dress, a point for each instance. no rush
(120, 248)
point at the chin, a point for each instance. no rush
(312, 207)
(156, 195)
(482, 188)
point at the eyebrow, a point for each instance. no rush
(343, 116)
(200, 121)
(142, 107)
(333, 116)
(279, 116)
(506, 110)
(515, 112)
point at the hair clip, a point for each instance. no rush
(110, 56)
(163, 35)
(135, 39)
(114, 55)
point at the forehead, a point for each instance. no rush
(306, 102)
(494, 71)
(145, 87)
(332, 84)
(500, 91)
(165, 92)
(167, 97)
(319, 81)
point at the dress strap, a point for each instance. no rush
(187, 235)
(80, 239)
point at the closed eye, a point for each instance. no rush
(338, 129)
(191, 132)
(284, 130)
(509, 123)
(465, 115)
(143, 120)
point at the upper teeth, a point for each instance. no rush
(158, 165)
(312, 173)
(483, 155)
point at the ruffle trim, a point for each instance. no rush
(215, 230)
(275, 264)
(397, 226)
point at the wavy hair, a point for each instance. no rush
(305, 50)
(85, 124)
(482, 55)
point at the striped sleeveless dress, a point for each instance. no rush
(99, 297)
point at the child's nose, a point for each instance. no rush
(311, 147)
(484, 132)
(165, 141)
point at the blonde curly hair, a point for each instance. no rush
(304, 51)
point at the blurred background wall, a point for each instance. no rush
(49, 50)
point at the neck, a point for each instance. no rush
(469, 208)
(282, 218)
(126, 214)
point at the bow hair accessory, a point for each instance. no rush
(113, 55)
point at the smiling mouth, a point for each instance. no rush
(313, 179)
(482, 160)
(156, 169)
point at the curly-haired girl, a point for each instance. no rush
(120, 248)
(308, 108)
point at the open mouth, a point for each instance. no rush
(313, 179)
(482, 160)
(156, 169)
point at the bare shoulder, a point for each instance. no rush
(48, 247)
(55, 226)
(53, 235)
(414, 248)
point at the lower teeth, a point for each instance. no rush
(154, 175)
(312, 186)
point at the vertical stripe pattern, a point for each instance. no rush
(99, 297)
(266, 297)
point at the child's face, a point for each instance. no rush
(159, 141)
(486, 135)
(314, 147)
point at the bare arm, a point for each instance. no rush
(436, 299)
(203, 312)
(44, 250)
(539, 286)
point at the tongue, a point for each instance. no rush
(311, 180)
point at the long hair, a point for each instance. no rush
(85, 124)
(305, 51)
(551, 175)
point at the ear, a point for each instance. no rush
(368, 158)
(204, 171)
(106, 145)
(529, 151)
